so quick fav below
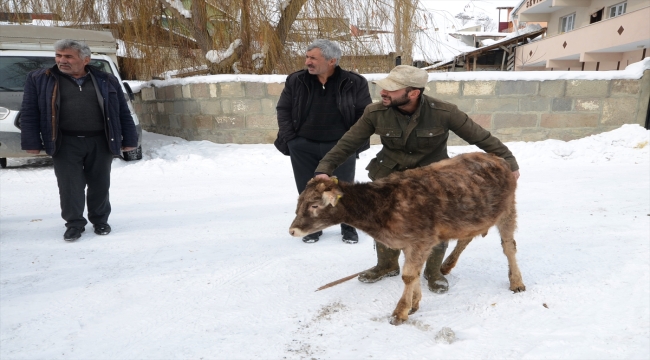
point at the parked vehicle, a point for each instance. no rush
(24, 48)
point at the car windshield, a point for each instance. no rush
(14, 69)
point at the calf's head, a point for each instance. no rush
(317, 207)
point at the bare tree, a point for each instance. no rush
(464, 18)
(229, 36)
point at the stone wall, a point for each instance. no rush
(244, 112)
(228, 112)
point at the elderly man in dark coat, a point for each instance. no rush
(80, 117)
(317, 106)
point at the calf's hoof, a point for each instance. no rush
(518, 288)
(394, 320)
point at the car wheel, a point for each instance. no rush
(133, 154)
(3, 162)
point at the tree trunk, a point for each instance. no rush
(278, 36)
(397, 27)
(406, 29)
(245, 53)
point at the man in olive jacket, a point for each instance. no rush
(414, 129)
(317, 106)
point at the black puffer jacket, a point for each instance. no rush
(352, 98)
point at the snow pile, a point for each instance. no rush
(627, 144)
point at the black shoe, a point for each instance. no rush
(102, 229)
(312, 238)
(349, 233)
(73, 233)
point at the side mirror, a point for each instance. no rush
(128, 90)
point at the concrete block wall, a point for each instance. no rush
(228, 112)
(553, 109)
(244, 112)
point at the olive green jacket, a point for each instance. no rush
(411, 143)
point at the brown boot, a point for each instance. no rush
(437, 282)
(387, 265)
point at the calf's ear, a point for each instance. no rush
(331, 197)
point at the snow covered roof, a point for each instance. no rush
(473, 27)
(436, 46)
(533, 30)
(479, 33)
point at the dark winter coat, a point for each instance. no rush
(412, 142)
(39, 116)
(352, 98)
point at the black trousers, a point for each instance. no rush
(81, 162)
(305, 155)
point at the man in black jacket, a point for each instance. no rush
(317, 106)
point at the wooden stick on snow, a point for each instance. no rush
(333, 283)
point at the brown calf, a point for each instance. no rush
(457, 198)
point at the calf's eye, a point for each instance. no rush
(314, 206)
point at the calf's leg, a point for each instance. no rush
(507, 225)
(410, 300)
(452, 259)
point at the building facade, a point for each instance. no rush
(585, 35)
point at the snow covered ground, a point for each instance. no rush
(200, 264)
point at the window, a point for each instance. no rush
(567, 22)
(597, 16)
(618, 9)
